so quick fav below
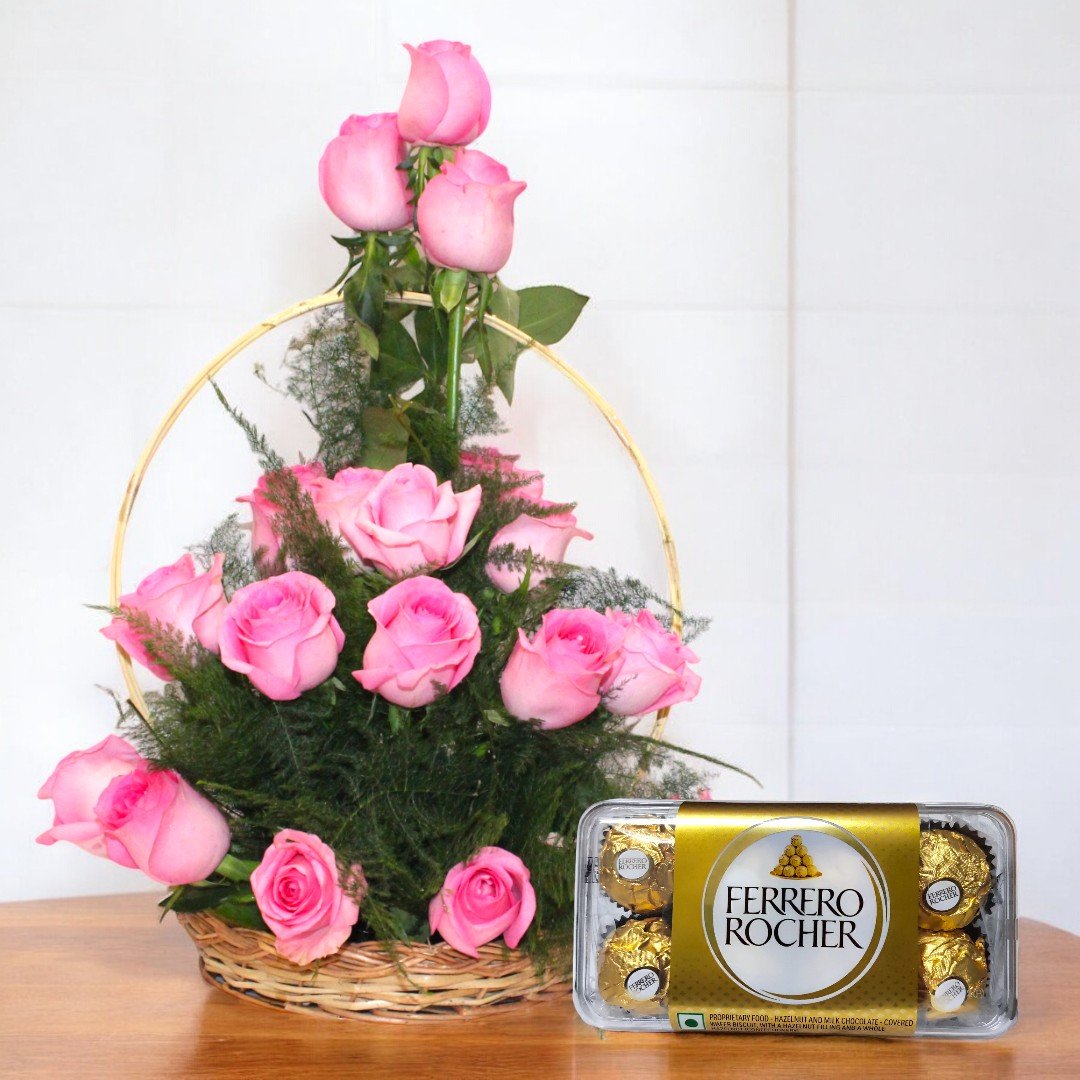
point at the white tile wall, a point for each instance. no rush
(916, 393)
(936, 513)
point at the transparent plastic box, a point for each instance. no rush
(639, 1002)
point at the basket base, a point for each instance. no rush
(370, 980)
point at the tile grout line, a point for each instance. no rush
(790, 402)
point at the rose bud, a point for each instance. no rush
(650, 671)
(425, 642)
(265, 541)
(359, 176)
(546, 537)
(281, 634)
(408, 520)
(555, 677)
(109, 802)
(176, 596)
(480, 899)
(299, 894)
(487, 461)
(447, 99)
(466, 214)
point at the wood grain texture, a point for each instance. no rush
(96, 988)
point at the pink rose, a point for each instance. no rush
(281, 634)
(299, 894)
(337, 500)
(486, 460)
(76, 785)
(556, 676)
(265, 542)
(650, 670)
(108, 802)
(177, 596)
(546, 537)
(480, 899)
(409, 520)
(466, 214)
(425, 642)
(447, 99)
(359, 176)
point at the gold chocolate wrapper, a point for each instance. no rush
(637, 865)
(953, 971)
(954, 878)
(633, 967)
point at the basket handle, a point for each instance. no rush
(414, 299)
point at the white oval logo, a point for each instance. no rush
(796, 939)
(949, 995)
(632, 865)
(643, 984)
(942, 896)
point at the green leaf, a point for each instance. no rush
(400, 364)
(386, 438)
(449, 288)
(549, 311)
(501, 355)
(397, 718)
(199, 897)
(235, 869)
(430, 329)
(506, 304)
(351, 243)
(369, 340)
(365, 292)
(243, 911)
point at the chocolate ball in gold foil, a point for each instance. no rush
(954, 878)
(637, 864)
(632, 971)
(953, 971)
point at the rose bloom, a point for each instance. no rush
(465, 215)
(480, 899)
(546, 537)
(426, 640)
(338, 499)
(108, 802)
(408, 520)
(487, 461)
(650, 670)
(281, 634)
(447, 99)
(265, 542)
(555, 677)
(300, 897)
(177, 596)
(359, 176)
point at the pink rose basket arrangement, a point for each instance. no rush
(387, 697)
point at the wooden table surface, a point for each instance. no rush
(97, 988)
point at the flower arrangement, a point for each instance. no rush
(385, 707)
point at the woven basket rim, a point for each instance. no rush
(372, 980)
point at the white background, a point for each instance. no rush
(834, 255)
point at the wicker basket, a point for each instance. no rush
(370, 980)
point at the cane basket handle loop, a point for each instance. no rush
(413, 299)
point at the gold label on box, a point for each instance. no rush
(795, 919)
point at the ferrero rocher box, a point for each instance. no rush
(854, 919)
